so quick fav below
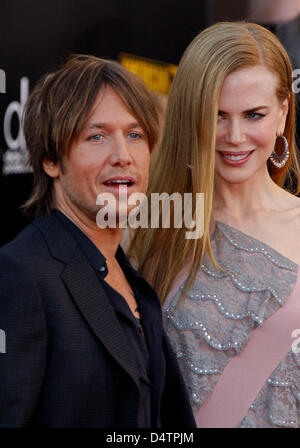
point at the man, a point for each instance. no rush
(84, 339)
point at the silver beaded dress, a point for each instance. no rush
(215, 319)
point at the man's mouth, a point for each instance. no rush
(118, 181)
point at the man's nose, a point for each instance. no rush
(235, 134)
(120, 151)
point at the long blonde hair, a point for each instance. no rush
(186, 158)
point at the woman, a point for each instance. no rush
(231, 299)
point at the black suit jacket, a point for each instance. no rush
(67, 363)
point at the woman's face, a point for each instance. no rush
(249, 119)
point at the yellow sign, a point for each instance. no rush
(158, 76)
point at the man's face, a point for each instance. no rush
(112, 150)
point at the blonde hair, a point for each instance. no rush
(190, 134)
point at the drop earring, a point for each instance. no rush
(280, 160)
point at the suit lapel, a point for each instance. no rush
(86, 290)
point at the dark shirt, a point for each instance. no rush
(136, 331)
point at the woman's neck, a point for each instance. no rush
(236, 203)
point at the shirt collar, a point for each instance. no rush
(93, 254)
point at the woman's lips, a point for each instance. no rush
(235, 158)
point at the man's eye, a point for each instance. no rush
(134, 135)
(96, 137)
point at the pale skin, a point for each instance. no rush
(112, 147)
(250, 117)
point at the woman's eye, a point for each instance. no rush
(220, 115)
(254, 115)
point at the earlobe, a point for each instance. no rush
(51, 168)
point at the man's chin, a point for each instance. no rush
(122, 215)
(112, 217)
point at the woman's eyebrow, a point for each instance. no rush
(254, 109)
